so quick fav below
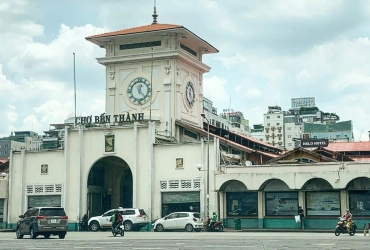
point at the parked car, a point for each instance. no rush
(188, 221)
(44, 221)
(133, 219)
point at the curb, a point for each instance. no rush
(281, 230)
(7, 230)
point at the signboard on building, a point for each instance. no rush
(312, 143)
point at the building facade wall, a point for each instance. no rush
(347, 183)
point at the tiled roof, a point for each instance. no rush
(226, 141)
(258, 141)
(140, 29)
(349, 146)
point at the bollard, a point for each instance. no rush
(364, 229)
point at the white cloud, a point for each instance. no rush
(14, 6)
(253, 93)
(214, 89)
(284, 49)
(303, 75)
(11, 115)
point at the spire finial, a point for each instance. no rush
(154, 14)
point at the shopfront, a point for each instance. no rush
(180, 202)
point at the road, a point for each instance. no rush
(184, 240)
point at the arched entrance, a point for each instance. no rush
(109, 185)
(359, 196)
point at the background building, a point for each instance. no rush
(258, 132)
(274, 126)
(301, 120)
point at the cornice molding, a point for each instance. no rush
(158, 55)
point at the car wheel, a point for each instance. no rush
(94, 226)
(19, 234)
(159, 228)
(47, 236)
(189, 228)
(128, 226)
(33, 235)
(62, 236)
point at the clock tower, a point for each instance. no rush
(157, 70)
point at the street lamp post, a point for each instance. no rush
(207, 209)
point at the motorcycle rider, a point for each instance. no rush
(348, 219)
(116, 220)
(214, 220)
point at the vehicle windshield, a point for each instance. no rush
(52, 212)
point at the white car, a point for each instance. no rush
(133, 219)
(188, 221)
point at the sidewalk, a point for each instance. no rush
(279, 230)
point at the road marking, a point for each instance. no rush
(323, 244)
(148, 248)
(89, 247)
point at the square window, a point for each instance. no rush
(179, 162)
(44, 169)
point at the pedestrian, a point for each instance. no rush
(301, 216)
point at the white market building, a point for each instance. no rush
(144, 151)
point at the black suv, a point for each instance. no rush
(43, 221)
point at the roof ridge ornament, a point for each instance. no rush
(154, 14)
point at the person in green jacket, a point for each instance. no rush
(214, 219)
(116, 220)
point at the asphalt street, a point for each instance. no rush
(185, 240)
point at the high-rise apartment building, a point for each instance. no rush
(274, 126)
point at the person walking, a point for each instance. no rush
(301, 216)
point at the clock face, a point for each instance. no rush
(139, 90)
(190, 95)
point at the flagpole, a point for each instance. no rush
(74, 81)
(151, 89)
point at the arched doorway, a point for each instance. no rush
(109, 185)
(280, 200)
(359, 196)
(239, 200)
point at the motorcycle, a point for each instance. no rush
(342, 227)
(217, 226)
(83, 226)
(120, 229)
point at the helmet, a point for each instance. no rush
(347, 210)
(116, 211)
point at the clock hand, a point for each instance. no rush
(139, 89)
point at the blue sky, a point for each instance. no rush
(270, 51)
